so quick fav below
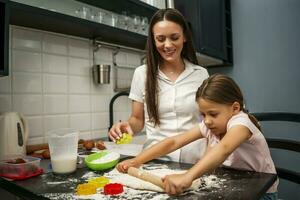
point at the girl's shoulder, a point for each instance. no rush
(243, 119)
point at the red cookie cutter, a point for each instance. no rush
(113, 189)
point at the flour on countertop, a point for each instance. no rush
(89, 175)
(208, 183)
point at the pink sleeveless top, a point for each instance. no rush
(252, 155)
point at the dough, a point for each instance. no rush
(116, 177)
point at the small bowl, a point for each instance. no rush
(19, 171)
(102, 160)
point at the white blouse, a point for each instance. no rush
(178, 110)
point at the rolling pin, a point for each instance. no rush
(146, 176)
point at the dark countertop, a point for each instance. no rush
(238, 185)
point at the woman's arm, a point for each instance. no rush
(218, 154)
(137, 118)
(164, 147)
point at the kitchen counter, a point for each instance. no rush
(238, 184)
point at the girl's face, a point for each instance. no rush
(216, 116)
(169, 40)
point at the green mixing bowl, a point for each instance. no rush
(102, 160)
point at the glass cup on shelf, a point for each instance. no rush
(135, 22)
(144, 26)
(99, 16)
(123, 21)
(84, 13)
(114, 19)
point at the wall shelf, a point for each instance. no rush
(38, 18)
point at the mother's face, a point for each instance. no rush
(169, 39)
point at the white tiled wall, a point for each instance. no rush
(50, 83)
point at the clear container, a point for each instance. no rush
(16, 170)
(63, 146)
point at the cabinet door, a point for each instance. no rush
(3, 38)
(207, 20)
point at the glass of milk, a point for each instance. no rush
(63, 145)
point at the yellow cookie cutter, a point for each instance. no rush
(125, 139)
(99, 182)
(86, 189)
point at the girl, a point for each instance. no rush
(234, 138)
(163, 90)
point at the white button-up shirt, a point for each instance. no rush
(178, 110)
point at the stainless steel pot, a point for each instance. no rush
(101, 74)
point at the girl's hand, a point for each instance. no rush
(175, 184)
(124, 165)
(116, 131)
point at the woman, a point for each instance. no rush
(163, 90)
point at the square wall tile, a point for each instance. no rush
(79, 103)
(103, 55)
(122, 104)
(28, 104)
(85, 135)
(100, 103)
(134, 59)
(55, 84)
(35, 126)
(53, 122)
(25, 61)
(100, 121)
(121, 58)
(102, 88)
(79, 85)
(55, 64)
(79, 48)
(55, 104)
(79, 66)
(55, 44)
(27, 82)
(26, 39)
(97, 134)
(35, 140)
(5, 103)
(5, 84)
(81, 122)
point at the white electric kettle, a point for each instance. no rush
(13, 135)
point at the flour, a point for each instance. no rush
(107, 158)
(208, 183)
(89, 175)
(60, 196)
(56, 182)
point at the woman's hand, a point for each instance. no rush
(175, 184)
(116, 131)
(124, 165)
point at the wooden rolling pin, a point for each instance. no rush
(146, 176)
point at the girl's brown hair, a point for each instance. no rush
(154, 58)
(223, 90)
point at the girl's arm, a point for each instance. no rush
(164, 147)
(218, 154)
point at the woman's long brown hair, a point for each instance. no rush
(223, 90)
(154, 58)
